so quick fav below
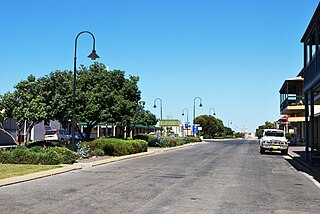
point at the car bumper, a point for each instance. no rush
(274, 147)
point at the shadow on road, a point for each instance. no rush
(302, 168)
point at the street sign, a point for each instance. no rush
(195, 129)
(187, 125)
(200, 128)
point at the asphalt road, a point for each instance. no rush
(214, 177)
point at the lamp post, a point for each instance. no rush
(214, 111)
(92, 56)
(194, 109)
(155, 106)
(183, 110)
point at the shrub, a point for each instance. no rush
(118, 147)
(99, 152)
(38, 155)
(175, 141)
(151, 139)
(191, 139)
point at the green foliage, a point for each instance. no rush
(239, 135)
(97, 152)
(192, 139)
(267, 125)
(289, 136)
(118, 147)
(211, 125)
(38, 155)
(151, 139)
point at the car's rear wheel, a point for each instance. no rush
(284, 152)
(262, 151)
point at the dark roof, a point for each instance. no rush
(311, 25)
(293, 84)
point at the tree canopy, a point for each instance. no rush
(101, 96)
(266, 125)
(210, 125)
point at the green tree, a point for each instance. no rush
(106, 96)
(56, 90)
(266, 125)
(7, 103)
(30, 106)
(210, 125)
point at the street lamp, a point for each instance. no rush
(194, 107)
(92, 56)
(214, 111)
(154, 106)
(183, 110)
(229, 122)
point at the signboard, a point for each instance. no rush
(200, 128)
(187, 125)
(195, 129)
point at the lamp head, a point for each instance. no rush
(200, 105)
(93, 55)
(214, 114)
(154, 106)
(182, 114)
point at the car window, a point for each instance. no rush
(274, 133)
(51, 132)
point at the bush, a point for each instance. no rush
(98, 152)
(151, 139)
(191, 139)
(118, 147)
(38, 155)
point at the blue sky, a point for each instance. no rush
(235, 55)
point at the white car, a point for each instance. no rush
(57, 135)
(273, 140)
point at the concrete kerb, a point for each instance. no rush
(294, 157)
(77, 166)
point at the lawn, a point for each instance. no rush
(11, 170)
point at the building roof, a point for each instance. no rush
(294, 82)
(311, 25)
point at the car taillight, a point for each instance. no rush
(57, 132)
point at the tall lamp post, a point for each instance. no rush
(183, 110)
(92, 56)
(194, 109)
(155, 106)
(214, 111)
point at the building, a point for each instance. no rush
(292, 109)
(9, 125)
(311, 89)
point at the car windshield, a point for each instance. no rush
(274, 133)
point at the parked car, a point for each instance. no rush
(78, 136)
(273, 140)
(57, 135)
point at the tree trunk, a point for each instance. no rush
(29, 132)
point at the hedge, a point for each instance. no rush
(154, 141)
(117, 147)
(151, 139)
(38, 155)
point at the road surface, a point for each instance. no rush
(214, 177)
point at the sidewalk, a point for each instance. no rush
(298, 153)
(77, 166)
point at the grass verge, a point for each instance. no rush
(12, 170)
